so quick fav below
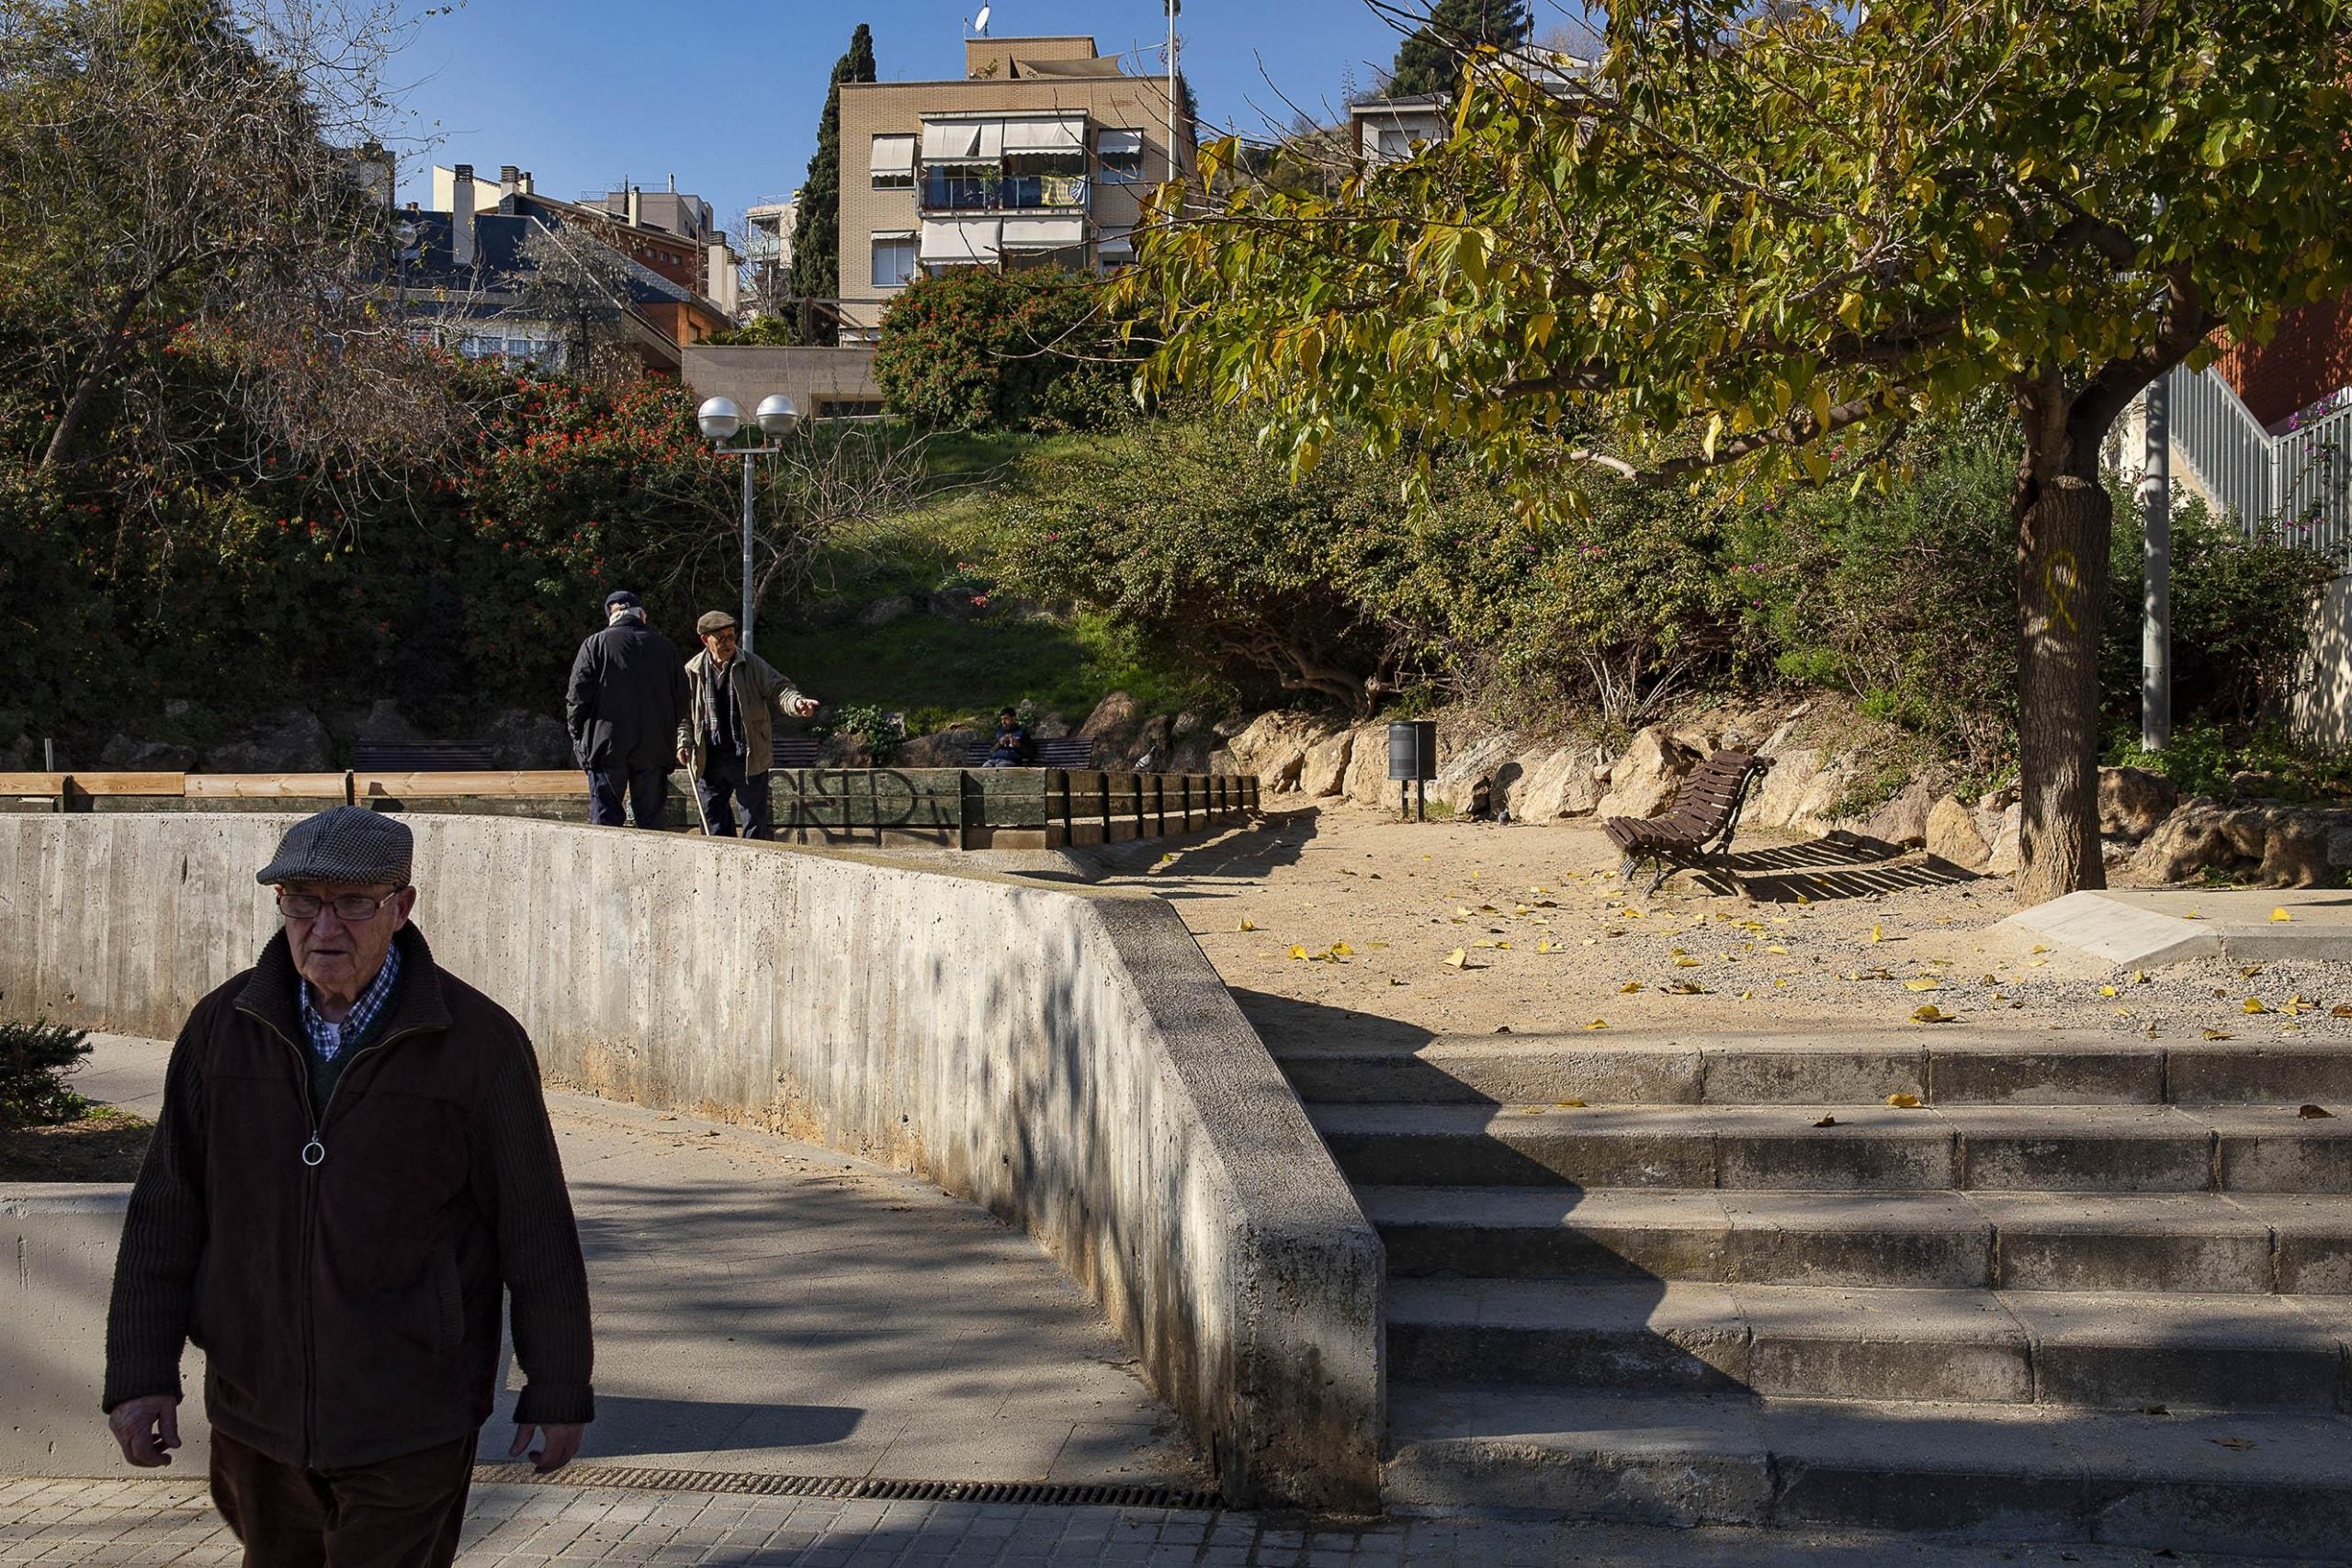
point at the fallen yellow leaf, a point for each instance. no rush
(1686, 964)
(1248, 924)
(2254, 1005)
(1341, 950)
(1598, 1023)
(1502, 946)
(1629, 988)
(2106, 990)
(1921, 985)
(1903, 1102)
(1567, 1105)
(1932, 1014)
(2218, 1034)
(1297, 951)
(1876, 935)
(2139, 976)
(2280, 914)
(1458, 958)
(1775, 947)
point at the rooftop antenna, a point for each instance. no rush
(979, 24)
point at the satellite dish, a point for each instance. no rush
(981, 22)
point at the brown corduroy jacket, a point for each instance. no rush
(348, 1308)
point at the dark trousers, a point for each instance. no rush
(648, 790)
(400, 1513)
(726, 790)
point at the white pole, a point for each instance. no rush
(1174, 6)
(747, 460)
(2155, 618)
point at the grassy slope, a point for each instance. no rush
(937, 669)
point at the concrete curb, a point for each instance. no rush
(2135, 926)
(1068, 1060)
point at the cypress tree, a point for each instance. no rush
(1430, 59)
(817, 232)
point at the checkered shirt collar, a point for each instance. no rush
(329, 1039)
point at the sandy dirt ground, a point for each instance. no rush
(1341, 920)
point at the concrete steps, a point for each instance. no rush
(1941, 1066)
(2105, 1352)
(2210, 1243)
(2270, 1484)
(2090, 1289)
(2085, 1148)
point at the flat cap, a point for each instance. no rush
(713, 622)
(349, 843)
(618, 597)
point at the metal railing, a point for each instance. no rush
(2298, 481)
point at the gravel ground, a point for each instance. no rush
(1342, 917)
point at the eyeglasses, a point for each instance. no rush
(349, 908)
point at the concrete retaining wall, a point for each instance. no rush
(1066, 1059)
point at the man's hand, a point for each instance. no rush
(685, 757)
(148, 1428)
(560, 1441)
(805, 708)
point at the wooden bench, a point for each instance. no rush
(422, 757)
(1071, 752)
(1695, 832)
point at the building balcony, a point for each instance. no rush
(1001, 193)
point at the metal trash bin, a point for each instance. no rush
(1412, 759)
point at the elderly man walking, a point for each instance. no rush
(352, 1163)
(626, 698)
(726, 740)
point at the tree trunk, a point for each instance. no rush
(2064, 519)
(93, 373)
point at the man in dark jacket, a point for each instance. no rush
(628, 691)
(351, 1162)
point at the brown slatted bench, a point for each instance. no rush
(1695, 832)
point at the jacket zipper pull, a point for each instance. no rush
(314, 1153)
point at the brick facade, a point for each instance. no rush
(2310, 356)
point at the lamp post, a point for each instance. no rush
(1173, 7)
(720, 419)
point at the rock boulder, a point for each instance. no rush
(1273, 746)
(1904, 819)
(1114, 727)
(1952, 837)
(521, 738)
(1553, 785)
(2133, 801)
(296, 742)
(1324, 769)
(1367, 782)
(1644, 779)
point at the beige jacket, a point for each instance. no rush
(762, 696)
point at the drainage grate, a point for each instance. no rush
(1037, 1493)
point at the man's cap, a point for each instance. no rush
(618, 597)
(349, 843)
(713, 622)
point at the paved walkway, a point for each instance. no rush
(771, 1306)
(138, 1523)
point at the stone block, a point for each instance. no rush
(1323, 770)
(1952, 836)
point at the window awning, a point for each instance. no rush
(1044, 234)
(1063, 134)
(894, 156)
(1110, 143)
(948, 141)
(959, 241)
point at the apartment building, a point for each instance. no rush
(1041, 154)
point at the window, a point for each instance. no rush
(961, 188)
(1120, 154)
(894, 260)
(1395, 143)
(894, 162)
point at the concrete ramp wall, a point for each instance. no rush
(1068, 1060)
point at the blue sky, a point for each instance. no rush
(584, 92)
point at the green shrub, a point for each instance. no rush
(1905, 600)
(35, 1059)
(2241, 609)
(975, 349)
